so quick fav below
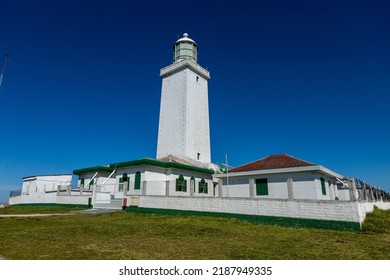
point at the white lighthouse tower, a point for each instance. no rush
(184, 113)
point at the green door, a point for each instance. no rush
(262, 186)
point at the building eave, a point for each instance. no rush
(312, 168)
(142, 162)
(161, 164)
(33, 177)
(184, 64)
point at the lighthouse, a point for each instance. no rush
(184, 128)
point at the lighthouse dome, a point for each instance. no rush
(185, 48)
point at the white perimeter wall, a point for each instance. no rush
(323, 210)
(35, 197)
(73, 199)
(50, 198)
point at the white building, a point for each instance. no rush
(42, 188)
(281, 177)
(169, 176)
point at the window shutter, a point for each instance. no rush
(137, 181)
(323, 188)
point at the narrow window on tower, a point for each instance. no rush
(197, 78)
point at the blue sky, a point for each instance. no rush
(307, 78)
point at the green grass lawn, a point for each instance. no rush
(126, 235)
(38, 209)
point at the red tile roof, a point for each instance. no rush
(272, 162)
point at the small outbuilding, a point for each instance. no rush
(281, 176)
(42, 189)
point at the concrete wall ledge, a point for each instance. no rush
(340, 211)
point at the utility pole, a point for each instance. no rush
(227, 175)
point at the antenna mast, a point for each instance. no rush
(3, 69)
(227, 175)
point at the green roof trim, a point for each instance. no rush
(162, 164)
(92, 170)
(139, 162)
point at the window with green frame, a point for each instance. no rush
(122, 181)
(262, 186)
(137, 181)
(120, 185)
(323, 188)
(192, 184)
(181, 184)
(202, 186)
(82, 182)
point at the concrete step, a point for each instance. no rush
(114, 204)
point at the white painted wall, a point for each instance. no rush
(131, 175)
(175, 173)
(197, 119)
(41, 189)
(154, 183)
(73, 199)
(184, 117)
(344, 194)
(50, 197)
(103, 197)
(277, 186)
(98, 180)
(37, 197)
(45, 183)
(171, 130)
(320, 209)
(238, 187)
(15, 200)
(305, 185)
